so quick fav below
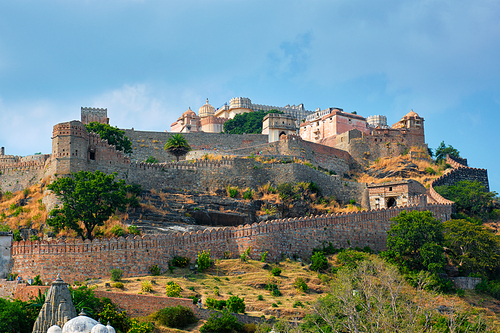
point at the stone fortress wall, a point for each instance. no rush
(78, 260)
(459, 172)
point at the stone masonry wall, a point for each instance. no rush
(5, 257)
(18, 176)
(77, 260)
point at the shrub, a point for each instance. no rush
(155, 270)
(118, 285)
(276, 271)
(215, 304)
(300, 284)
(232, 191)
(248, 194)
(180, 262)
(118, 319)
(37, 281)
(236, 304)
(260, 298)
(318, 261)
(116, 274)
(173, 289)
(117, 231)
(296, 304)
(146, 286)
(274, 305)
(489, 287)
(204, 261)
(140, 327)
(133, 230)
(263, 256)
(175, 317)
(221, 323)
(351, 258)
(430, 171)
(273, 289)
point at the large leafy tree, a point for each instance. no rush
(14, 317)
(475, 249)
(177, 145)
(443, 150)
(470, 197)
(249, 123)
(88, 199)
(114, 135)
(415, 241)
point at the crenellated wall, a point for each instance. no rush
(459, 172)
(78, 260)
(20, 175)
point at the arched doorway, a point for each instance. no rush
(391, 202)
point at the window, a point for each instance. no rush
(390, 188)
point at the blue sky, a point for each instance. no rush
(148, 61)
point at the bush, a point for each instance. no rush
(37, 281)
(215, 304)
(221, 323)
(350, 258)
(300, 284)
(173, 289)
(263, 256)
(175, 317)
(260, 298)
(430, 171)
(133, 230)
(117, 231)
(140, 327)
(276, 271)
(248, 195)
(273, 289)
(146, 286)
(318, 261)
(489, 287)
(204, 261)
(118, 319)
(155, 270)
(236, 304)
(296, 304)
(180, 262)
(116, 274)
(232, 191)
(118, 285)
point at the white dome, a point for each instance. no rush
(206, 110)
(80, 324)
(110, 328)
(99, 328)
(54, 329)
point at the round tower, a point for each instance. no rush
(70, 146)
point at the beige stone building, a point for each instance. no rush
(275, 125)
(396, 193)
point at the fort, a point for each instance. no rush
(75, 149)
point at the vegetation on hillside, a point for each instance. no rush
(88, 200)
(247, 123)
(442, 150)
(114, 135)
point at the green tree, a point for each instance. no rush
(443, 150)
(475, 249)
(249, 123)
(415, 241)
(114, 135)
(471, 198)
(177, 145)
(14, 317)
(88, 199)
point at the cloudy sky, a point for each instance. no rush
(148, 61)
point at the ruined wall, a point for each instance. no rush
(77, 260)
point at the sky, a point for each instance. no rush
(149, 61)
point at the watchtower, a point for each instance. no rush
(98, 115)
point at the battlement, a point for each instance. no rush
(99, 115)
(295, 236)
(74, 128)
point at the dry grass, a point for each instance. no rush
(398, 163)
(33, 214)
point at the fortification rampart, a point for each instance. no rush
(21, 175)
(79, 260)
(460, 172)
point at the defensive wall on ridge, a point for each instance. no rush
(459, 172)
(21, 174)
(78, 260)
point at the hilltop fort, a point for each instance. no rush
(329, 140)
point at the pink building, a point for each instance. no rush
(330, 123)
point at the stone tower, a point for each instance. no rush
(275, 125)
(95, 115)
(70, 147)
(57, 309)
